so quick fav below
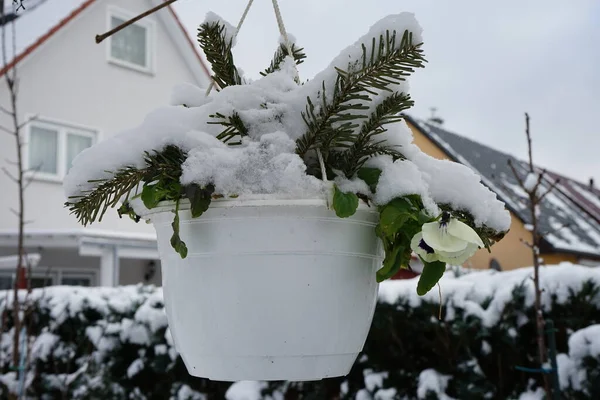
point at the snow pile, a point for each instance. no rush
(469, 291)
(265, 161)
(432, 382)
(245, 390)
(87, 337)
(584, 345)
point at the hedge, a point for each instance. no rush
(114, 343)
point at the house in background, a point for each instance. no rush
(570, 214)
(81, 92)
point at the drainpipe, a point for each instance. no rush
(116, 265)
(109, 266)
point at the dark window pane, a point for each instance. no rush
(41, 281)
(72, 281)
(6, 282)
(129, 44)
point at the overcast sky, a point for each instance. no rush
(488, 63)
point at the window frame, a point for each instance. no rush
(63, 129)
(146, 23)
(55, 275)
(76, 274)
(50, 276)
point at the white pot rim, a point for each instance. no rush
(263, 200)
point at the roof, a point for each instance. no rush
(570, 214)
(75, 238)
(43, 18)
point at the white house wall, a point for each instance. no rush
(69, 79)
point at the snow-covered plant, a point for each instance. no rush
(340, 137)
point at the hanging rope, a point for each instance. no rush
(288, 46)
(237, 30)
(282, 30)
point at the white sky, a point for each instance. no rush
(489, 62)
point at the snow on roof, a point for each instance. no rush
(570, 214)
(82, 233)
(10, 262)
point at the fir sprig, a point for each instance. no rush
(213, 41)
(280, 55)
(365, 145)
(333, 123)
(234, 126)
(91, 205)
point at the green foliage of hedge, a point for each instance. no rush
(98, 343)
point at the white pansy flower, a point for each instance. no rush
(449, 240)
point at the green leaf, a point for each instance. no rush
(151, 195)
(391, 264)
(176, 241)
(179, 245)
(395, 214)
(432, 273)
(344, 204)
(200, 198)
(370, 176)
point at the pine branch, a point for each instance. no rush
(281, 54)
(213, 41)
(386, 64)
(234, 126)
(93, 204)
(365, 146)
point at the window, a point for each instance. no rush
(46, 278)
(38, 280)
(76, 280)
(495, 265)
(51, 148)
(132, 46)
(6, 282)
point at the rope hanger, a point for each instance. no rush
(288, 46)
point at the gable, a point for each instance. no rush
(569, 222)
(43, 19)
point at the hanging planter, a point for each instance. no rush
(280, 205)
(270, 289)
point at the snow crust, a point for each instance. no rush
(467, 292)
(265, 162)
(431, 381)
(245, 390)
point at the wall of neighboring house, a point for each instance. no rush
(70, 83)
(510, 252)
(74, 85)
(64, 266)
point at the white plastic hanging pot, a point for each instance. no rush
(271, 289)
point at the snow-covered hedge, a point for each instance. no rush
(91, 343)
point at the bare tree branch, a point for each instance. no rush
(29, 120)
(515, 173)
(529, 146)
(6, 111)
(550, 189)
(11, 176)
(4, 129)
(534, 201)
(100, 38)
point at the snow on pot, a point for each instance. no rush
(270, 199)
(270, 289)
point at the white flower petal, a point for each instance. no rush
(463, 231)
(458, 258)
(439, 239)
(414, 245)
